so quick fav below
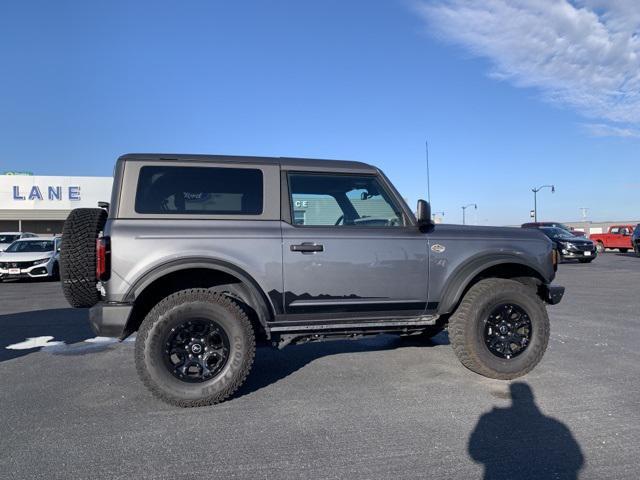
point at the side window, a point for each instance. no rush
(341, 200)
(199, 190)
(615, 230)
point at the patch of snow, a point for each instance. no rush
(35, 342)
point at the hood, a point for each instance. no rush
(572, 239)
(24, 256)
(488, 232)
(3, 246)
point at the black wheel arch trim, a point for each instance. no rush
(462, 276)
(261, 303)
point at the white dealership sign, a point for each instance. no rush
(18, 192)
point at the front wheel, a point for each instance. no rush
(55, 272)
(195, 348)
(600, 247)
(500, 329)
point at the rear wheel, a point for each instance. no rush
(623, 250)
(195, 348)
(78, 256)
(500, 330)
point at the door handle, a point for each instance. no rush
(307, 248)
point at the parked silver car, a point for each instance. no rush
(32, 257)
(7, 238)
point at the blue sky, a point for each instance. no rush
(83, 82)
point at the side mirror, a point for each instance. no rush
(424, 214)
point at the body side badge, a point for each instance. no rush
(437, 248)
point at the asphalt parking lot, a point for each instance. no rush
(375, 408)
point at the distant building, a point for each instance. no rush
(40, 204)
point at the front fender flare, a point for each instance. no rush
(462, 276)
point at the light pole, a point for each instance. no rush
(464, 210)
(535, 199)
(435, 214)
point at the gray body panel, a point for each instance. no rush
(375, 273)
(145, 249)
(470, 250)
(372, 269)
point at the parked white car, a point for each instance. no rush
(7, 238)
(33, 257)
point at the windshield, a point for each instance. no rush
(555, 232)
(31, 246)
(8, 238)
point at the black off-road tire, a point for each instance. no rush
(623, 250)
(55, 273)
(466, 327)
(78, 256)
(600, 247)
(173, 311)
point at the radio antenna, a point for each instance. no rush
(426, 145)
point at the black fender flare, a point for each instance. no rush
(462, 276)
(250, 291)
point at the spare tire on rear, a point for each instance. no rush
(78, 256)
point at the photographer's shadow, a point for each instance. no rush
(520, 442)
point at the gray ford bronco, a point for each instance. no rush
(206, 256)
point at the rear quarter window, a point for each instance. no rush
(199, 190)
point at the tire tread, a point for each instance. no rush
(463, 320)
(163, 307)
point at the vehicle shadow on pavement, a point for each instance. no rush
(41, 328)
(521, 442)
(272, 365)
(628, 254)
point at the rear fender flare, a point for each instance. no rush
(249, 288)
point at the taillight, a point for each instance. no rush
(103, 258)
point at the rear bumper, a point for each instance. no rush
(554, 294)
(110, 319)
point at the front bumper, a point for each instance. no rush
(553, 294)
(110, 319)
(568, 254)
(37, 271)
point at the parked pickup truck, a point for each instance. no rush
(618, 236)
(205, 256)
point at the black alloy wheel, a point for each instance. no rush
(507, 331)
(197, 350)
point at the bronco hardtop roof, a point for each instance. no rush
(284, 162)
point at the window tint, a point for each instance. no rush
(342, 200)
(615, 230)
(31, 246)
(199, 190)
(8, 238)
